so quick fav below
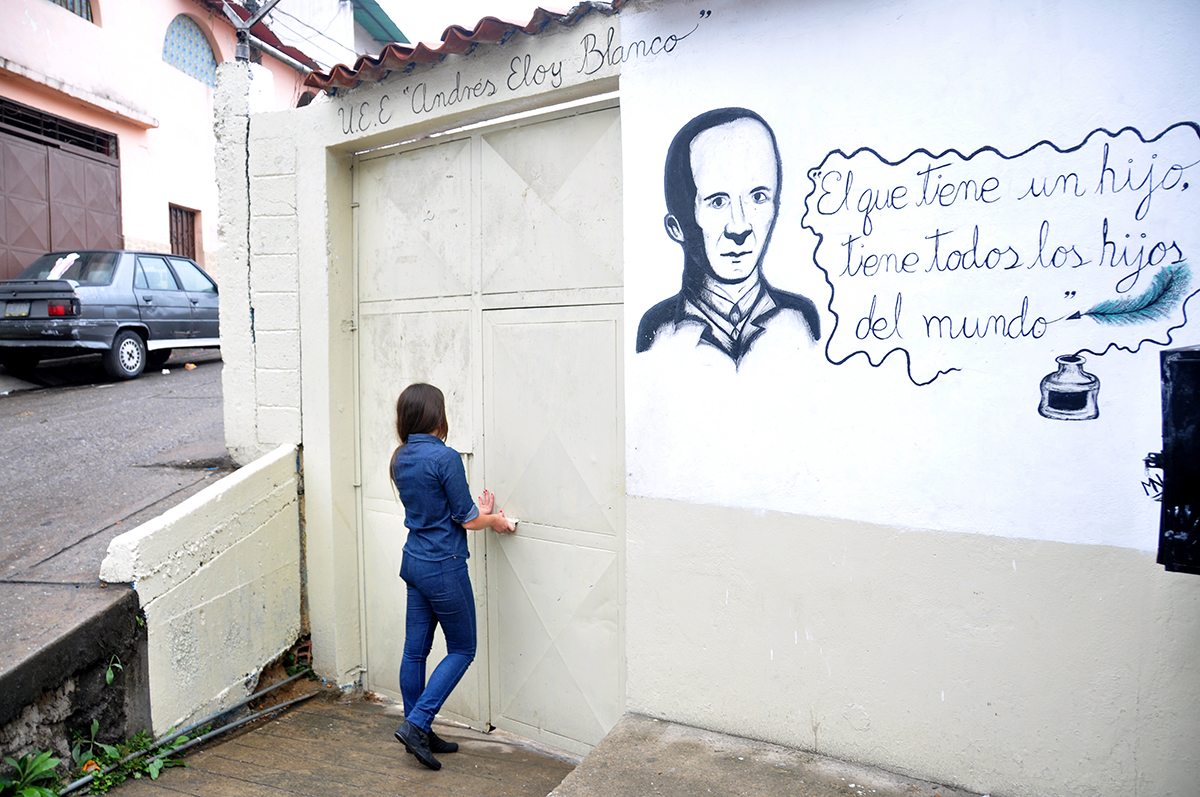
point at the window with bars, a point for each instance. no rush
(186, 48)
(183, 232)
(82, 8)
(21, 118)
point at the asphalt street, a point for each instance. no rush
(85, 459)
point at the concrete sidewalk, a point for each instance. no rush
(342, 746)
(87, 459)
(13, 384)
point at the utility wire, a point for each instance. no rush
(320, 33)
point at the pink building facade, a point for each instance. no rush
(106, 125)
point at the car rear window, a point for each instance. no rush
(86, 268)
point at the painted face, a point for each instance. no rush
(736, 181)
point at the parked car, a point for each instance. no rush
(132, 307)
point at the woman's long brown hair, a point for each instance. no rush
(420, 409)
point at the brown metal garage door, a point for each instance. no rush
(52, 196)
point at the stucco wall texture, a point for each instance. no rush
(218, 577)
(1004, 666)
(260, 286)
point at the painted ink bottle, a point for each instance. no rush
(1070, 393)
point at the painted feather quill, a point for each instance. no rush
(1156, 303)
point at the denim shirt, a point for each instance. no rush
(432, 483)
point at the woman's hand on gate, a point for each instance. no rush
(490, 518)
(503, 525)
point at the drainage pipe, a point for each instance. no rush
(223, 711)
(170, 737)
(242, 721)
(280, 56)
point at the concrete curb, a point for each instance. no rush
(57, 683)
(642, 755)
(10, 384)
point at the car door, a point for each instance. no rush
(202, 294)
(164, 306)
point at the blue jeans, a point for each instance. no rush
(438, 592)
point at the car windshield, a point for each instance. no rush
(86, 268)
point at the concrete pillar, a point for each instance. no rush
(231, 124)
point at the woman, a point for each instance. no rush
(432, 483)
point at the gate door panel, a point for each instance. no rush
(551, 204)
(489, 264)
(24, 205)
(413, 210)
(406, 348)
(51, 199)
(554, 456)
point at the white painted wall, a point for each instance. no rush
(259, 305)
(218, 578)
(933, 579)
(862, 426)
(1004, 666)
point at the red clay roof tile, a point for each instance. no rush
(455, 40)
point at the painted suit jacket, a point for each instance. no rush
(731, 329)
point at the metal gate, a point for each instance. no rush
(52, 199)
(489, 264)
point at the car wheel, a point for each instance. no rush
(19, 362)
(127, 357)
(157, 358)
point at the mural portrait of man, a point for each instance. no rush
(722, 181)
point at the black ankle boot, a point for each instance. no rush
(439, 745)
(416, 741)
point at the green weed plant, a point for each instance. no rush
(91, 757)
(33, 776)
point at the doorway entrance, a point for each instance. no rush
(489, 263)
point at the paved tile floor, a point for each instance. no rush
(328, 746)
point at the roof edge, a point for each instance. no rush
(260, 30)
(456, 40)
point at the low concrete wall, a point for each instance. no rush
(218, 577)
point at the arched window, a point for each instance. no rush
(186, 48)
(81, 7)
